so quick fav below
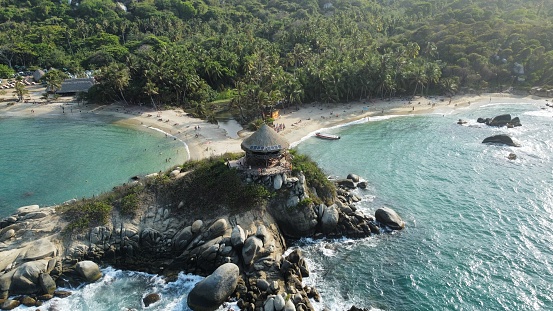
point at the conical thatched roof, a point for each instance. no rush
(265, 140)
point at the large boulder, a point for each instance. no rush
(47, 284)
(501, 139)
(346, 183)
(212, 291)
(39, 249)
(390, 218)
(150, 299)
(217, 229)
(182, 239)
(277, 182)
(295, 221)
(515, 122)
(237, 237)
(89, 270)
(353, 177)
(329, 219)
(9, 304)
(252, 246)
(500, 120)
(25, 279)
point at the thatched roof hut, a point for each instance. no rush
(265, 144)
(73, 86)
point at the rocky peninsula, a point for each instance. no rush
(206, 218)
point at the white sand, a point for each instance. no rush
(212, 140)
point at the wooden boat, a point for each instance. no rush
(327, 136)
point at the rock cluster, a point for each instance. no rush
(260, 292)
(501, 120)
(31, 260)
(242, 252)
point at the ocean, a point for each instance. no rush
(478, 226)
(49, 160)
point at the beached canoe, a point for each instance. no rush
(327, 136)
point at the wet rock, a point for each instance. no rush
(9, 304)
(212, 291)
(512, 156)
(500, 139)
(353, 177)
(500, 120)
(47, 284)
(89, 270)
(150, 299)
(362, 184)
(347, 183)
(390, 218)
(28, 301)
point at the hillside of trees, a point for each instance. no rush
(258, 52)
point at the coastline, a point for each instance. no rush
(202, 139)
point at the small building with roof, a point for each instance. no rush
(74, 86)
(264, 147)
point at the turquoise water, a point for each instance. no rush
(48, 161)
(478, 233)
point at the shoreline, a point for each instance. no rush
(202, 140)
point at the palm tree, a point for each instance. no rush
(449, 85)
(54, 79)
(151, 89)
(20, 90)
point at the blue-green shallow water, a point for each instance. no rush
(48, 161)
(478, 234)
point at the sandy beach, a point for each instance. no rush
(202, 139)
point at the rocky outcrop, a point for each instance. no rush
(501, 139)
(501, 120)
(158, 239)
(211, 292)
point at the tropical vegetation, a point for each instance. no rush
(253, 54)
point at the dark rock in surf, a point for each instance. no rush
(500, 120)
(353, 177)
(500, 139)
(150, 299)
(389, 218)
(347, 183)
(212, 291)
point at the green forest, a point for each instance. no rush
(256, 53)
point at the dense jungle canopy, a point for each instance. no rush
(258, 52)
